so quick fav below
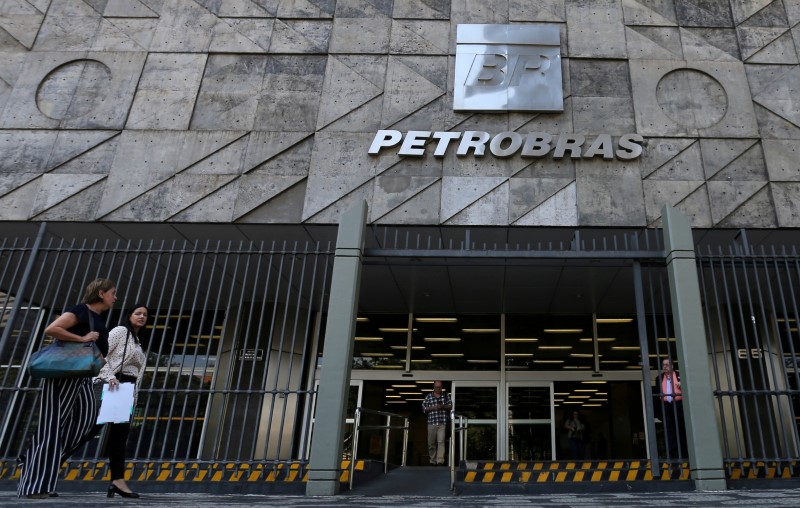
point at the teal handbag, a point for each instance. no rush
(63, 359)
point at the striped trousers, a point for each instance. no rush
(67, 415)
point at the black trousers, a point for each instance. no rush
(117, 442)
(674, 430)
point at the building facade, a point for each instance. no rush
(512, 159)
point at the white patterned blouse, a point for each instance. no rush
(133, 363)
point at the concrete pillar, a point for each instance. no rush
(326, 441)
(702, 429)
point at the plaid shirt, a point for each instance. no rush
(439, 416)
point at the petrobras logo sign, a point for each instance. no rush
(508, 68)
(507, 144)
(504, 68)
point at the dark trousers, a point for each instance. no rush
(117, 442)
(67, 414)
(674, 430)
(116, 447)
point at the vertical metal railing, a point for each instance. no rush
(751, 311)
(231, 342)
(458, 427)
(386, 428)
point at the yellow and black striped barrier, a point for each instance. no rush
(568, 472)
(613, 471)
(471, 472)
(752, 470)
(277, 472)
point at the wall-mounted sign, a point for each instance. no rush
(251, 354)
(507, 144)
(747, 354)
(508, 68)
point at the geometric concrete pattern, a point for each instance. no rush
(262, 111)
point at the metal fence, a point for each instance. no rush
(231, 342)
(751, 313)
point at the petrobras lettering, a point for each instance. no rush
(508, 144)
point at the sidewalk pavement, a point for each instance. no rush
(750, 498)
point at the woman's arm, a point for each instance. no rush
(59, 329)
(116, 343)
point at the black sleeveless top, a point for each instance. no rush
(84, 314)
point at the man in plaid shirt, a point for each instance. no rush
(437, 406)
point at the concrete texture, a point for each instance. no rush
(262, 111)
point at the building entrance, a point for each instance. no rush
(517, 421)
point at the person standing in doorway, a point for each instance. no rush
(575, 433)
(437, 406)
(669, 391)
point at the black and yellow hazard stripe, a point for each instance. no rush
(613, 471)
(284, 472)
(565, 472)
(751, 470)
(485, 472)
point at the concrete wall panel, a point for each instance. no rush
(242, 111)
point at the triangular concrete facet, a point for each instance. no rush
(349, 88)
(55, 188)
(458, 193)
(754, 40)
(744, 10)
(70, 144)
(561, 209)
(643, 43)
(227, 39)
(728, 196)
(658, 13)
(686, 165)
(662, 150)
(391, 192)
(757, 212)
(128, 9)
(22, 23)
(718, 153)
(780, 51)
(263, 146)
(333, 213)
(422, 208)
(697, 48)
(197, 145)
(257, 189)
(525, 194)
(490, 209)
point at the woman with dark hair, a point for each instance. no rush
(125, 363)
(67, 406)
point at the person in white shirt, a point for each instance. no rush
(125, 363)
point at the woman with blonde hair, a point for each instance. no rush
(67, 406)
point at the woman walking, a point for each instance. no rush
(67, 407)
(125, 363)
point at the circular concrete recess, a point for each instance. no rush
(74, 89)
(692, 98)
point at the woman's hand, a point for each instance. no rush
(113, 384)
(90, 337)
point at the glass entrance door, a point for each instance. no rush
(479, 402)
(531, 432)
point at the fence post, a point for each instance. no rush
(702, 429)
(23, 287)
(325, 461)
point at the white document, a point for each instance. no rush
(117, 405)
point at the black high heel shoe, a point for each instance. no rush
(113, 489)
